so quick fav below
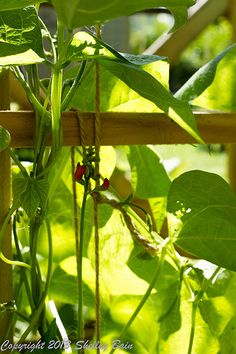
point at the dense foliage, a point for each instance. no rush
(152, 300)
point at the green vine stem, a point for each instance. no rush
(18, 163)
(73, 88)
(197, 298)
(79, 259)
(38, 310)
(147, 294)
(2, 234)
(19, 255)
(32, 98)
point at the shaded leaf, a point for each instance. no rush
(18, 187)
(64, 288)
(30, 193)
(20, 37)
(17, 4)
(203, 209)
(77, 13)
(5, 138)
(149, 178)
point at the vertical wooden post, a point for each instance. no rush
(232, 147)
(6, 292)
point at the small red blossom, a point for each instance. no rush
(79, 172)
(106, 184)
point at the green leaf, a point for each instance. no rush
(42, 188)
(77, 13)
(150, 88)
(63, 287)
(86, 45)
(5, 139)
(204, 77)
(30, 199)
(30, 193)
(203, 215)
(149, 178)
(17, 4)
(179, 340)
(19, 186)
(227, 340)
(117, 96)
(20, 37)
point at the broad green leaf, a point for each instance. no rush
(158, 206)
(77, 13)
(85, 45)
(220, 95)
(19, 186)
(204, 77)
(17, 4)
(144, 266)
(178, 342)
(5, 139)
(150, 88)
(20, 37)
(30, 199)
(117, 96)
(42, 188)
(115, 247)
(143, 333)
(30, 193)
(64, 287)
(205, 210)
(227, 340)
(131, 71)
(149, 178)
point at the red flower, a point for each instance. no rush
(106, 184)
(79, 172)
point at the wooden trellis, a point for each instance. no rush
(118, 128)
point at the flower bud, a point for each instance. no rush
(79, 172)
(106, 184)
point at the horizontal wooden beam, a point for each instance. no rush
(201, 15)
(124, 128)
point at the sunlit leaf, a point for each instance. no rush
(146, 86)
(204, 77)
(20, 37)
(117, 96)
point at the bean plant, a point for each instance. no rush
(151, 298)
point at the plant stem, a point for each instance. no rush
(32, 98)
(19, 255)
(35, 281)
(2, 234)
(193, 326)
(56, 91)
(18, 163)
(73, 88)
(35, 316)
(79, 258)
(146, 295)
